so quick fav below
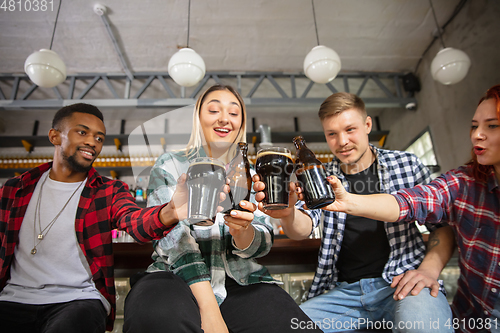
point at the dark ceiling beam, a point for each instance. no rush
(385, 90)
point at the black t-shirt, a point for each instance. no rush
(365, 248)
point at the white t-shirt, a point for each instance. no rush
(59, 271)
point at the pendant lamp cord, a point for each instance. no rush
(189, 19)
(55, 24)
(437, 25)
(457, 10)
(315, 24)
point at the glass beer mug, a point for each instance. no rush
(274, 166)
(206, 178)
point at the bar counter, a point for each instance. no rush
(286, 256)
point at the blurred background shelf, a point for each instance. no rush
(180, 138)
(103, 171)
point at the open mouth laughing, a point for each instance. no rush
(87, 153)
(222, 131)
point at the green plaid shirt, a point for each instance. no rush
(200, 253)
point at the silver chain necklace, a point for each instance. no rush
(41, 235)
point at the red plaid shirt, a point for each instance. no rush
(104, 205)
(472, 208)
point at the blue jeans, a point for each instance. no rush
(495, 317)
(369, 303)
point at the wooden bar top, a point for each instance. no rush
(286, 256)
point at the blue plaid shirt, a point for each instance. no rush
(396, 170)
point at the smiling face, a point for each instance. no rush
(485, 134)
(347, 137)
(78, 140)
(220, 119)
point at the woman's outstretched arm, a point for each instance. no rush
(379, 207)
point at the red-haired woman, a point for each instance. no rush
(468, 198)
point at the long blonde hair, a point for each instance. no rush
(195, 141)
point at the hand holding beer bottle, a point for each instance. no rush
(239, 223)
(311, 177)
(240, 180)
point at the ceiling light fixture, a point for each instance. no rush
(322, 64)
(45, 68)
(186, 67)
(450, 65)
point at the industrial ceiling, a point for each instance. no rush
(236, 38)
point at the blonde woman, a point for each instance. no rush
(205, 278)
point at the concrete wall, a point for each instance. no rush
(448, 110)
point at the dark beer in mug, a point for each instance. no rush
(205, 181)
(274, 166)
(311, 176)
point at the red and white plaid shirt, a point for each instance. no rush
(472, 208)
(104, 205)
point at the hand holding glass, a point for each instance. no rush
(206, 178)
(274, 166)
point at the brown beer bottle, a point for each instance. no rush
(240, 180)
(311, 176)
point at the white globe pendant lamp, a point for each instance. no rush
(450, 65)
(45, 68)
(322, 64)
(186, 67)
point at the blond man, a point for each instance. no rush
(361, 260)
